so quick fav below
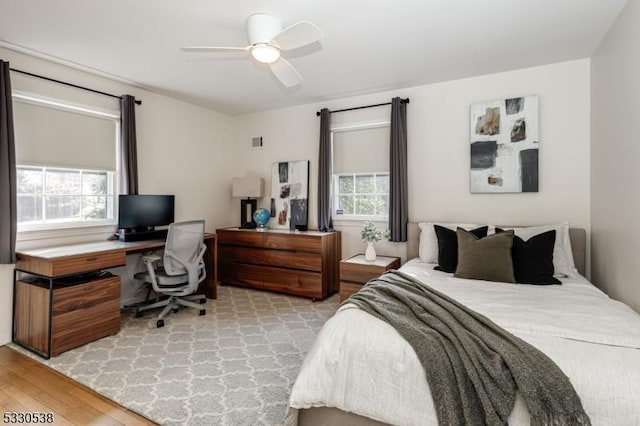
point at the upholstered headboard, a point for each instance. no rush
(578, 237)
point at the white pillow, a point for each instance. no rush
(428, 248)
(563, 263)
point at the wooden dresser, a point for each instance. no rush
(298, 263)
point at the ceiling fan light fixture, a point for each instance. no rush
(265, 53)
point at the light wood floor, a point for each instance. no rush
(29, 386)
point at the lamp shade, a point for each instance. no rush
(249, 187)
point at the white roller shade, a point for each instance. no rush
(59, 138)
(361, 150)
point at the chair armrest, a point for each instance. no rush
(150, 262)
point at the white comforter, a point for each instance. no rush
(360, 364)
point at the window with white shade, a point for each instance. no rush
(66, 159)
(361, 172)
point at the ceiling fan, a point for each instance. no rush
(267, 40)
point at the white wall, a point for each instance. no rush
(194, 152)
(438, 138)
(615, 150)
(182, 149)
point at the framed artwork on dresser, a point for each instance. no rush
(289, 194)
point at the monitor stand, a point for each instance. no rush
(159, 234)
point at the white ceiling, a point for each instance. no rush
(369, 46)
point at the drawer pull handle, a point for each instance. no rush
(91, 259)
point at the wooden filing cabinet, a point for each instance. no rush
(79, 313)
(298, 263)
(356, 272)
(61, 303)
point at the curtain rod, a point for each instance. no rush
(137, 101)
(404, 101)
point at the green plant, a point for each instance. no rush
(371, 234)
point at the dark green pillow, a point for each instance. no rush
(448, 246)
(487, 258)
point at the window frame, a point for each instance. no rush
(28, 231)
(69, 223)
(334, 176)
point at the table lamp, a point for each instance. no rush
(249, 189)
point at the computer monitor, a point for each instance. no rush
(142, 213)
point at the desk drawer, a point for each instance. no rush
(73, 264)
(76, 328)
(86, 263)
(84, 296)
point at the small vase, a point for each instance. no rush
(370, 253)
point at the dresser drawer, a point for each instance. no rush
(230, 254)
(295, 260)
(241, 274)
(84, 296)
(293, 242)
(240, 237)
(299, 283)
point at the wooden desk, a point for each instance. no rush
(49, 319)
(61, 261)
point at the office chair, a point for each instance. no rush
(181, 271)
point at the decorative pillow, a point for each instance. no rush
(428, 249)
(533, 259)
(486, 258)
(448, 246)
(563, 264)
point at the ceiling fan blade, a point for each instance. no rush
(286, 73)
(297, 35)
(214, 49)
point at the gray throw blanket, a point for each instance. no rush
(473, 366)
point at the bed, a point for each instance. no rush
(361, 372)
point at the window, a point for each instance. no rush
(65, 164)
(362, 194)
(361, 172)
(51, 195)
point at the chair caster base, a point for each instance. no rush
(175, 310)
(203, 311)
(203, 300)
(139, 314)
(160, 323)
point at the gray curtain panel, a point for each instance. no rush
(398, 190)
(128, 146)
(8, 216)
(325, 222)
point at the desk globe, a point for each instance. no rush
(261, 218)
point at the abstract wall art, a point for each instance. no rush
(289, 194)
(504, 145)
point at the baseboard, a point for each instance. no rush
(5, 338)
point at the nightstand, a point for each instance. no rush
(355, 272)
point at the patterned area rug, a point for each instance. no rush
(234, 366)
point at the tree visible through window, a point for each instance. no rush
(362, 194)
(55, 195)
